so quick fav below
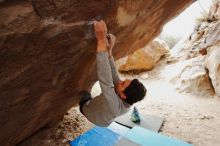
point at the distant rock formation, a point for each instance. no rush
(47, 53)
(145, 58)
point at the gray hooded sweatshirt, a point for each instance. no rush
(103, 109)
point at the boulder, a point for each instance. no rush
(212, 63)
(189, 76)
(145, 58)
(192, 72)
(47, 53)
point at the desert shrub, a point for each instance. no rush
(170, 40)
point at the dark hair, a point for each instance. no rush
(135, 92)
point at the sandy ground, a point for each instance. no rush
(187, 117)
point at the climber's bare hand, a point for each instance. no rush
(111, 43)
(100, 32)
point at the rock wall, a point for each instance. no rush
(189, 76)
(47, 53)
(196, 58)
(212, 63)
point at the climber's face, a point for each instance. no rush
(121, 86)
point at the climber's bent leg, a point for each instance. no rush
(86, 96)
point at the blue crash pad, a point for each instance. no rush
(146, 137)
(97, 136)
(119, 129)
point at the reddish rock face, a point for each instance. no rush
(47, 53)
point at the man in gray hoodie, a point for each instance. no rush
(117, 96)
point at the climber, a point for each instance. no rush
(117, 95)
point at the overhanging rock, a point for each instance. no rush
(47, 53)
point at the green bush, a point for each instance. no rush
(170, 40)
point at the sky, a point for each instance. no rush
(184, 24)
